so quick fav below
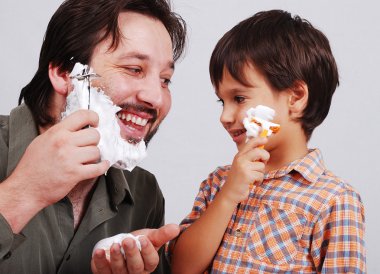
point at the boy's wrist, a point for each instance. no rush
(228, 197)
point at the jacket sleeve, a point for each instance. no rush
(8, 241)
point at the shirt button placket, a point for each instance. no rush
(8, 255)
(238, 232)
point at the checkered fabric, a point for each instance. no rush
(300, 219)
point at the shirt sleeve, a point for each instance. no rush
(8, 240)
(338, 237)
(207, 192)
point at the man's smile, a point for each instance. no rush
(126, 117)
(134, 123)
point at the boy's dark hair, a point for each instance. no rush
(285, 50)
(74, 31)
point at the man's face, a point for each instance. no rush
(136, 75)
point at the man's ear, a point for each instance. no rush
(59, 80)
(298, 98)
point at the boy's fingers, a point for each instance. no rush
(253, 143)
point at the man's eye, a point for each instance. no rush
(134, 70)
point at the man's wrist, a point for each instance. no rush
(16, 205)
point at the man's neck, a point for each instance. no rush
(80, 197)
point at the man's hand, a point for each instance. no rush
(52, 165)
(135, 261)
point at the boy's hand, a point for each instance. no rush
(247, 167)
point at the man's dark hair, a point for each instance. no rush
(284, 49)
(74, 31)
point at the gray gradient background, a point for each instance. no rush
(191, 141)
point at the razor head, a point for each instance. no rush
(85, 75)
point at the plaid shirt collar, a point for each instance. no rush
(311, 167)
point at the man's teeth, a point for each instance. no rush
(135, 119)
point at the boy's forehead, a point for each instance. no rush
(238, 77)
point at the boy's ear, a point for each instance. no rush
(298, 98)
(59, 80)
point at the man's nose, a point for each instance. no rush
(151, 92)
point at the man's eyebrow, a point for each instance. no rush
(144, 57)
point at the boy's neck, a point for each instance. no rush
(288, 151)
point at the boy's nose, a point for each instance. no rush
(226, 117)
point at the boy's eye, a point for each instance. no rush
(166, 82)
(239, 99)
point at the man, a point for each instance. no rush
(55, 202)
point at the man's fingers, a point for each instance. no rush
(94, 170)
(80, 119)
(160, 236)
(149, 254)
(99, 263)
(89, 154)
(118, 265)
(86, 137)
(135, 263)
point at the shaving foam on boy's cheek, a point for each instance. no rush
(120, 153)
(257, 123)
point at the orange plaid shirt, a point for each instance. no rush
(300, 219)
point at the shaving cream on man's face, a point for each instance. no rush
(119, 152)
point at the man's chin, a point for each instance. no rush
(133, 141)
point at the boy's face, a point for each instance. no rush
(136, 75)
(238, 98)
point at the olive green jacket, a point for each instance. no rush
(121, 202)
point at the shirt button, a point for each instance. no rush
(8, 255)
(238, 232)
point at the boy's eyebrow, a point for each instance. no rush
(233, 91)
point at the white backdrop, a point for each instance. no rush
(191, 142)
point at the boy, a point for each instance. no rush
(276, 209)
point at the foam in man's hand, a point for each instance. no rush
(108, 242)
